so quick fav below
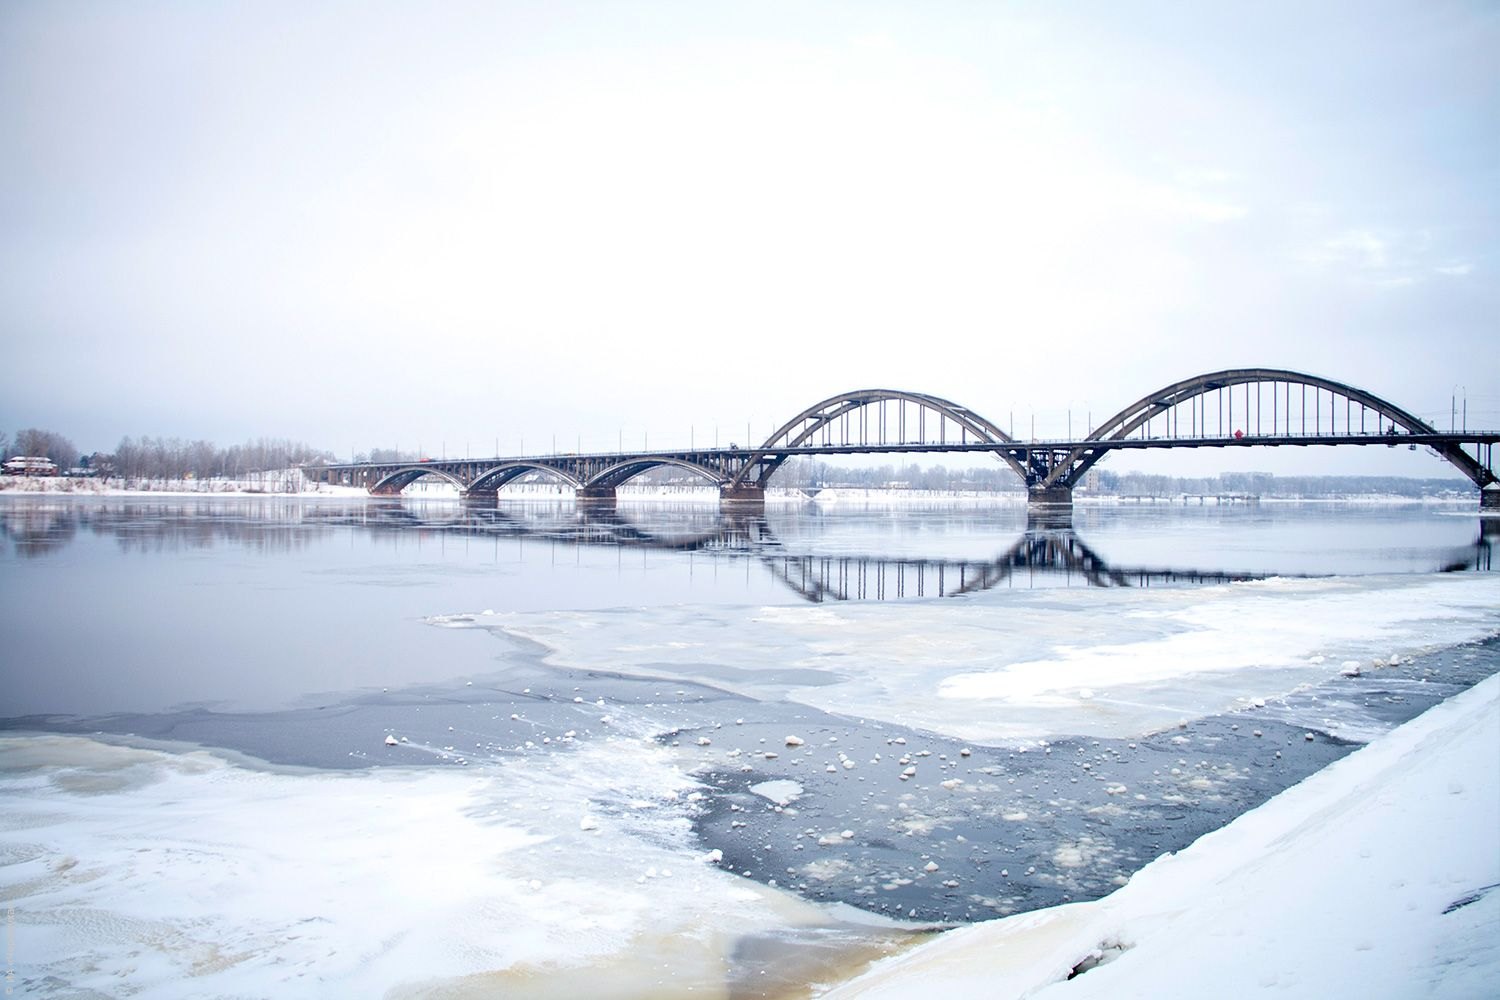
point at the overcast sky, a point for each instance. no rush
(449, 224)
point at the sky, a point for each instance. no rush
(467, 226)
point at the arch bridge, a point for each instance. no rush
(1250, 407)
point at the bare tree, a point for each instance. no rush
(46, 444)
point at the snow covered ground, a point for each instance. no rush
(1377, 877)
(288, 482)
(291, 482)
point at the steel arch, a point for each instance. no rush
(769, 457)
(1137, 414)
(398, 479)
(622, 472)
(501, 475)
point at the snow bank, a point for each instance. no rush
(1376, 877)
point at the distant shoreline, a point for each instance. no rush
(280, 484)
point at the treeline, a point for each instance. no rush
(174, 458)
(1264, 484)
(165, 458)
(807, 473)
(811, 473)
(387, 455)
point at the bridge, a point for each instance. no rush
(1236, 408)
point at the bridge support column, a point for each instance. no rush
(597, 496)
(1050, 496)
(742, 494)
(1048, 508)
(1489, 499)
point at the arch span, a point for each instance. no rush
(861, 418)
(396, 480)
(495, 478)
(1274, 404)
(622, 472)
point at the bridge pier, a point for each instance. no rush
(742, 494)
(1489, 498)
(1049, 496)
(1049, 507)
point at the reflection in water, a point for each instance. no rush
(1039, 556)
(1055, 552)
(155, 526)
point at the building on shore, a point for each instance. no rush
(30, 465)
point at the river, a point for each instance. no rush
(296, 746)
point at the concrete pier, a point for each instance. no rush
(1049, 508)
(742, 495)
(596, 494)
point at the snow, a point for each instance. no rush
(781, 791)
(279, 482)
(180, 874)
(1376, 877)
(290, 482)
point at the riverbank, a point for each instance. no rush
(1375, 877)
(292, 483)
(279, 483)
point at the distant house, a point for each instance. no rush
(30, 465)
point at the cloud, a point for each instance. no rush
(1388, 258)
(1358, 248)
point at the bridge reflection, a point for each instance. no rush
(1039, 556)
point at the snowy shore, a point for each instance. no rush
(1376, 877)
(279, 483)
(292, 483)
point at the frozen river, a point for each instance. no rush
(309, 747)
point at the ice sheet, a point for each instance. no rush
(1016, 665)
(183, 875)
